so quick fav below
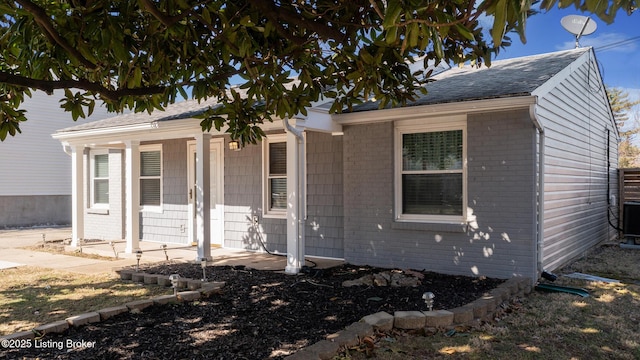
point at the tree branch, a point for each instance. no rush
(167, 20)
(49, 86)
(44, 22)
(276, 15)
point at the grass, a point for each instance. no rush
(58, 248)
(32, 296)
(542, 325)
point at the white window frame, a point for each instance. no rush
(151, 148)
(92, 203)
(266, 196)
(449, 123)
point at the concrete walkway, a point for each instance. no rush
(13, 253)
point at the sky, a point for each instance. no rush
(617, 45)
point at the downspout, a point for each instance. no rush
(540, 196)
(296, 261)
(66, 148)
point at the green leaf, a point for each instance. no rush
(499, 22)
(392, 13)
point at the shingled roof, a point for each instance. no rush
(505, 78)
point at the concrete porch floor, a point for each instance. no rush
(14, 254)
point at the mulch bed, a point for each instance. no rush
(260, 314)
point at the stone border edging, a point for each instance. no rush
(478, 310)
(193, 290)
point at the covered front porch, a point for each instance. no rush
(165, 181)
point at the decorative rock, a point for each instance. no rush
(501, 293)
(151, 279)
(344, 338)
(324, 349)
(83, 319)
(194, 284)
(380, 279)
(165, 299)
(492, 301)
(125, 274)
(462, 314)
(188, 295)
(409, 320)
(512, 284)
(139, 305)
(438, 318)
(163, 280)
(51, 328)
(209, 289)
(112, 311)
(479, 308)
(382, 321)
(303, 354)
(361, 329)
(409, 281)
(183, 283)
(137, 277)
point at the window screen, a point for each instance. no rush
(432, 165)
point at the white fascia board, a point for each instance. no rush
(318, 120)
(462, 107)
(151, 131)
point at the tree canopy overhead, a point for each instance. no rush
(143, 54)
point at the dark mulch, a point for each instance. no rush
(260, 314)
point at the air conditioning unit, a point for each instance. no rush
(631, 219)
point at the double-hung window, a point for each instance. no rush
(150, 176)
(99, 179)
(430, 171)
(275, 175)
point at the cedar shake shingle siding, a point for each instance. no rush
(170, 225)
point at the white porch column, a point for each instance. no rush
(77, 194)
(132, 191)
(203, 197)
(295, 201)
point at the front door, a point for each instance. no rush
(216, 192)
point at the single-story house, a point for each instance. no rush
(35, 187)
(501, 171)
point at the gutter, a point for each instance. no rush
(540, 197)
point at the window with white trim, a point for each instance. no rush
(275, 175)
(99, 179)
(150, 176)
(431, 172)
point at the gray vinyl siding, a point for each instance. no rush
(171, 224)
(575, 114)
(501, 194)
(106, 224)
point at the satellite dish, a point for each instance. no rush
(578, 26)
